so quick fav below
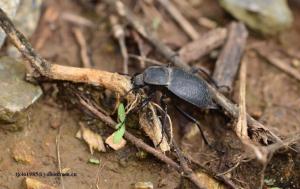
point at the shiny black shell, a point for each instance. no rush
(182, 84)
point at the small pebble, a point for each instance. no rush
(143, 185)
(295, 63)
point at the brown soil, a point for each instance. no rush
(272, 96)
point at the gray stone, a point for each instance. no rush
(26, 20)
(265, 16)
(16, 94)
(28, 16)
(10, 7)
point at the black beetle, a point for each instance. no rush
(182, 84)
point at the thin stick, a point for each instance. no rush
(276, 146)
(57, 140)
(83, 48)
(142, 48)
(170, 55)
(98, 175)
(241, 128)
(280, 64)
(180, 19)
(119, 34)
(285, 143)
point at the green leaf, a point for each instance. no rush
(121, 112)
(118, 134)
(94, 161)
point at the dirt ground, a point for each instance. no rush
(273, 97)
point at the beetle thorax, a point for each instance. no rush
(138, 80)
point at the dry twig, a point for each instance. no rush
(119, 34)
(144, 49)
(241, 128)
(180, 19)
(57, 140)
(83, 48)
(284, 66)
(202, 46)
(228, 62)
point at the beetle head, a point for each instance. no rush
(138, 80)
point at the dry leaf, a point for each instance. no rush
(152, 126)
(94, 140)
(110, 142)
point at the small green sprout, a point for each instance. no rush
(118, 134)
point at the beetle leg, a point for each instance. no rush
(164, 124)
(196, 122)
(145, 101)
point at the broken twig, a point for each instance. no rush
(204, 45)
(229, 60)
